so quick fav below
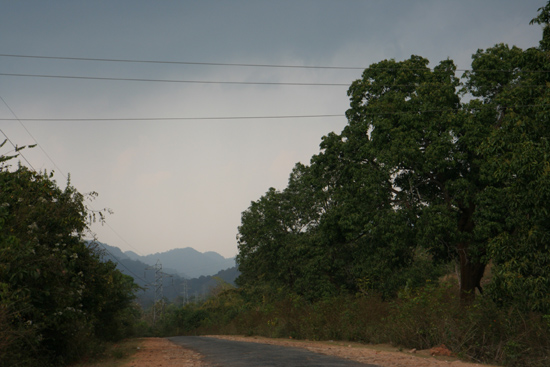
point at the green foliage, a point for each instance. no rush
(279, 242)
(486, 333)
(420, 318)
(319, 237)
(514, 206)
(416, 180)
(375, 195)
(57, 299)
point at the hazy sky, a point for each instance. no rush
(185, 182)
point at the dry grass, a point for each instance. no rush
(115, 354)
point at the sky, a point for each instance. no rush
(184, 182)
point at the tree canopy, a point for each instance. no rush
(431, 169)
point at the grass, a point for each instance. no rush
(483, 332)
(114, 355)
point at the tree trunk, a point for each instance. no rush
(470, 276)
(471, 271)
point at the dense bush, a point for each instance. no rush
(58, 300)
(419, 318)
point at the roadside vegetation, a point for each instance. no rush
(59, 302)
(428, 316)
(112, 355)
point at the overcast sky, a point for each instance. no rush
(185, 182)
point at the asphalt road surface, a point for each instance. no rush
(229, 353)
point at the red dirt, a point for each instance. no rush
(159, 352)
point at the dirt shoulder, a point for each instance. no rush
(160, 352)
(382, 355)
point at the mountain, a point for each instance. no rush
(175, 287)
(187, 262)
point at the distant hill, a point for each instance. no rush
(174, 287)
(187, 262)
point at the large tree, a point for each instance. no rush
(512, 85)
(401, 160)
(413, 152)
(419, 176)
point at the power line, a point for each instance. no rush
(172, 80)
(123, 240)
(299, 84)
(248, 64)
(118, 261)
(183, 62)
(17, 149)
(60, 171)
(413, 112)
(32, 137)
(176, 118)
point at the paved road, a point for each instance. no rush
(229, 353)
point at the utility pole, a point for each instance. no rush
(185, 295)
(158, 305)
